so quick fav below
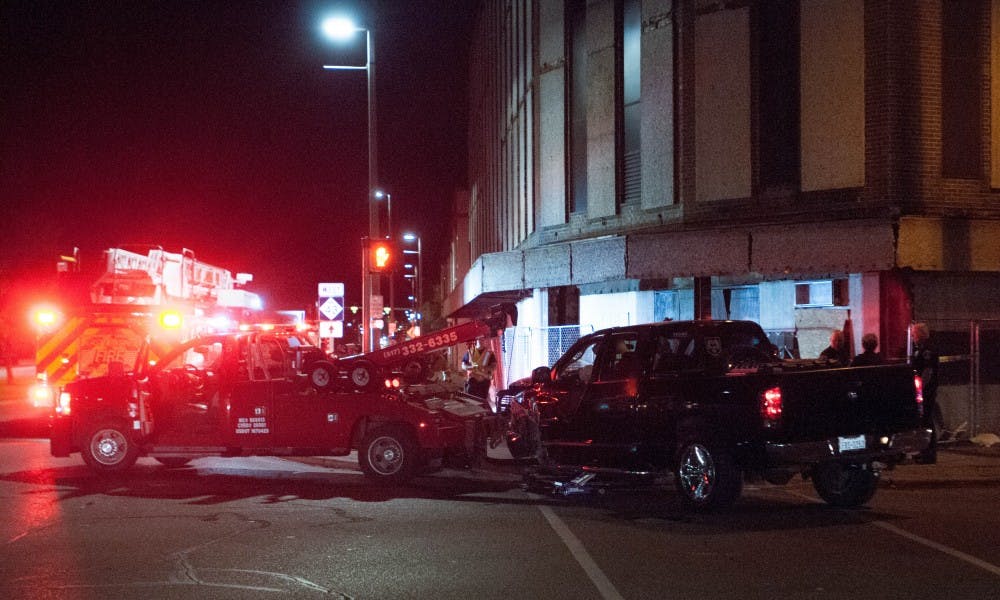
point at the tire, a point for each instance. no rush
(364, 376)
(389, 455)
(321, 375)
(706, 477)
(108, 448)
(845, 486)
(173, 462)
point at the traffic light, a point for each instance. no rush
(381, 256)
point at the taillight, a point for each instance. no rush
(918, 388)
(392, 383)
(63, 406)
(770, 406)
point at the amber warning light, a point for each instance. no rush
(45, 317)
(170, 319)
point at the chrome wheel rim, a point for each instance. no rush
(385, 455)
(697, 472)
(108, 447)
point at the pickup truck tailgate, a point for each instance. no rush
(819, 403)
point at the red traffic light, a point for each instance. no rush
(381, 256)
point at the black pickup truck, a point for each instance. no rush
(710, 402)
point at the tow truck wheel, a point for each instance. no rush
(363, 376)
(388, 454)
(321, 375)
(108, 448)
(845, 486)
(707, 477)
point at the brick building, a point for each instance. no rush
(800, 163)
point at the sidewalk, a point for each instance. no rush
(958, 463)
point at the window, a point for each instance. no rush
(822, 293)
(622, 361)
(580, 363)
(778, 84)
(674, 352)
(961, 89)
(576, 23)
(631, 58)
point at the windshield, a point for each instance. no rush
(200, 353)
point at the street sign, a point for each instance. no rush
(331, 290)
(377, 306)
(331, 310)
(331, 329)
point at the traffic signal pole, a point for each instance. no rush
(366, 301)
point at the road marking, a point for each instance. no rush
(952, 552)
(972, 560)
(596, 575)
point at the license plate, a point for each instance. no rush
(851, 443)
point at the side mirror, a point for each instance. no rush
(541, 375)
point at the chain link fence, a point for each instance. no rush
(969, 379)
(525, 348)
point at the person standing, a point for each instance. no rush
(7, 352)
(478, 363)
(869, 342)
(836, 352)
(924, 360)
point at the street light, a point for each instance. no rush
(416, 280)
(379, 194)
(341, 29)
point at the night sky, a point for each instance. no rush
(212, 126)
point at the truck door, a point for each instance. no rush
(598, 387)
(302, 417)
(249, 396)
(185, 399)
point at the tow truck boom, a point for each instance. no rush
(365, 370)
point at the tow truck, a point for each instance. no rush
(240, 394)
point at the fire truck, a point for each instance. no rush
(166, 297)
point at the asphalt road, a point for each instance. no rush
(270, 528)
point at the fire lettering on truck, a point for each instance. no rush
(252, 425)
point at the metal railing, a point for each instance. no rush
(969, 378)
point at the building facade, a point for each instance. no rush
(807, 164)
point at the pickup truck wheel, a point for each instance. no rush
(363, 376)
(389, 455)
(845, 486)
(321, 375)
(173, 462)
(706, 477)
(108, 448)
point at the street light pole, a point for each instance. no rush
(388, 226)
(417, 280)
(339, 28)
